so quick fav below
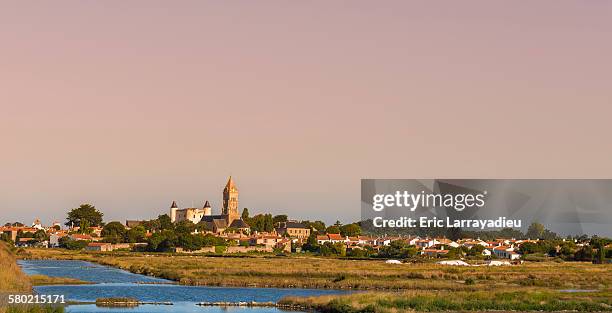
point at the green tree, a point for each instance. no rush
(279, 218)
(600, 245)
(333, 229)
(261, 223)
(163, 241)
(85, 212)
(184, 227)
(329, 249)
(114, 232)
(398, 249)
(476, 250)
(317, 226)
(136, 234)
(245, 214)
(66, 242)
(165, 222)
(85, 227)
(584, 254)
(535, 231)
(151, 225)
(311, 243)
(40, 236)
(211, 240)
(350, 230)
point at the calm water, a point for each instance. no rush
(111, 282)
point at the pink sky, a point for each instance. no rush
(132, 104)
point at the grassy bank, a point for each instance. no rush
(527, 299)
(14, 281)
(44, 280)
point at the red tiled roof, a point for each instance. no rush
(335, 237)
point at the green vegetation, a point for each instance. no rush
(66, 242)
(117, 302)
(314, 272)
(85, 216)
(436, 301)
(43, 280)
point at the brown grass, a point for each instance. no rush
(312, 272)
(12, 279)
(43, 280)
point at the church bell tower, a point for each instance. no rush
(230, 201)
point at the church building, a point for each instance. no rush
(229, 217)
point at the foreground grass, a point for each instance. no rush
(525, 300)
(311, 272)
(14, 281)
(391, 288)
(34, 309)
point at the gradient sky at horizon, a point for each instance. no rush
(130, 105)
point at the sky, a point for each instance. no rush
(130, 105)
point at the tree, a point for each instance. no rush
(84, 213)
(66, 242)
(535, 231)
(245, 214)
(136, 234)
(211, 240)
(333, 229)
(399, 249)
(318, 226)
(279, 218)
(350, 230)
(600, 245)
(476, 250)
(261, 223)
(84, 228)
(40, 236)
(184, 227)
(454, 233)
(165, 222)
(311, 243)
(584, 254)
(163, 241)
(329, 249)
(114, 232)
(151, 225)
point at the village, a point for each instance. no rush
(285, 236)
(197, 230)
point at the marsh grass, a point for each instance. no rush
(43, 280)
(312, 272)
(12, 279)
(433, 301)
(34, 309)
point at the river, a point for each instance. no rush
(112, 282)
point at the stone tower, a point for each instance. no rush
(173, 209)
(207, 209)
(230, 201)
